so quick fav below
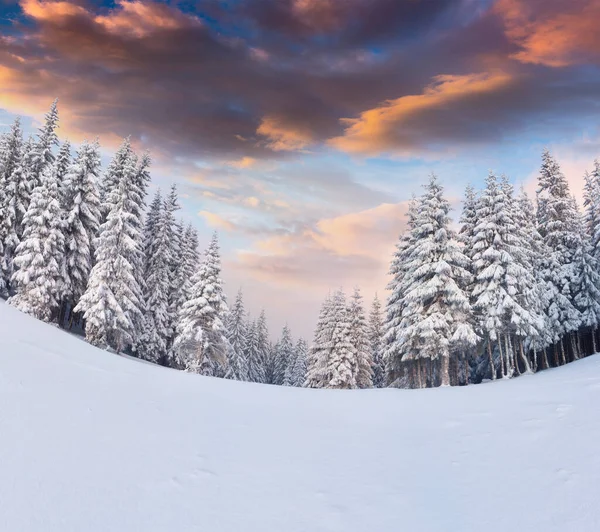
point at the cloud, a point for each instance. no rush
(409, 122)
(217, 221)
(353, 248)
(551, 32)
(348, 22)
(283, 136)
(244, 162)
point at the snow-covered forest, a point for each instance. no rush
(515, 290)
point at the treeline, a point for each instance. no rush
(515, 291)
(79, 248)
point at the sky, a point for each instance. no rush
(299, 129)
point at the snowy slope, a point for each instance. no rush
(91, 441)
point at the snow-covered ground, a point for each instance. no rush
(91, 441)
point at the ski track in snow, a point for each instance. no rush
(91, 441)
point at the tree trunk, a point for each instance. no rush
(504, 365)
(445, 371)
(514, 366)
(594, 340)
(417, 366)
(562, 351)
(556, 361)
(545, 351)
(492, 368)
(524, 358)
(535, 358)
(575, 341)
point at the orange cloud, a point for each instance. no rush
(282, 136)
(43, 10)
(141, 18)
(347, 249)
(128, 17)
(244, 162)
(216, 221)
(391, 127)
(552, 33)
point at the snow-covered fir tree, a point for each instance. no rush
(237, 334)
(158, 321)
(503, 277)
(591, 203)
(436, 320)
(394, 368)
(342, 358)
(298, 374)
(81, 205)
(200, 339)
(187, 264)
(468, 221)
(15, 198)
(252, 353)
(586, 288)
(316, 376)
(150, 222)
(121, 164)
(61, 166)
(112, 303)
(376, 333)
(10, 159)
(359, 337)
(333, 361)
(264, 347)
(41, 154)
(556, 214)
(39, 257)
(284, 358)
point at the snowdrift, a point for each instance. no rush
(94, 442)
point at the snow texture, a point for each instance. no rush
(97, 442)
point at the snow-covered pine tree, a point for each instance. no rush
(6, 216)
(591, 202)
(253, 354)
(436, 315)
(316, 374)
(556, 215)
(14, 201)
(112, 303)
(392, 354)
(376, 332)
(298, 375)
(284, 358)
(200, 339)
(61, 166)
(503, 277)
(539, 299)
(81, 211)
(586, 289)
(41, 155)
(120, 165)
(152, 217)
(158, 322)
(187, 266)
(359, 337)
(237, 334)
(532, 334)
(264, 348)
(39, 257)
(342, 359)
(468, 221)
